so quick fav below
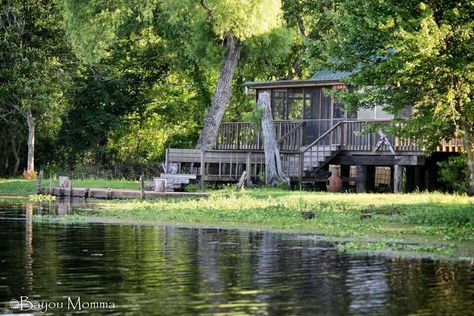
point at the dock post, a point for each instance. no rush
(70, 189)
(201, 181)
(142, 187)
(50, 186)
(40, 182)
(166, 160)
(361, 179)
(397, 179)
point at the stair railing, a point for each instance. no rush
(293, 139)
(323, 144)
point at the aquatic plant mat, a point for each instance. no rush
(429, 223)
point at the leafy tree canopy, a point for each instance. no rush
(411, 53)
(408, 54)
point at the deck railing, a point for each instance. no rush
(241, 148)
(369, 136)
(247, 135)
(358, 136)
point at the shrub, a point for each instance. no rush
(454, 174)
(29, 175)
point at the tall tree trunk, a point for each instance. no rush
(468, 147)
(222, 95)
(15, 155)
(273, 171)
(30, 163)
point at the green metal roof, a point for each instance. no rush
(320, 78)
(328, 75)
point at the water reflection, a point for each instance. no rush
(29, 246)
(179, 271)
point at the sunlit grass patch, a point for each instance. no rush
(26, 187)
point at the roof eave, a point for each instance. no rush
(291, 83)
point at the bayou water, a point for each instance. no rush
(169, 270)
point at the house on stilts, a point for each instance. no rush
(317, 137)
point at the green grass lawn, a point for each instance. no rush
(25, 187)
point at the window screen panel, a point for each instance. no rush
(279, 105)
(295, 104)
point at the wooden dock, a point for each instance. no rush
(101, 193)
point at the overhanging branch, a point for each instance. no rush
(206, 7)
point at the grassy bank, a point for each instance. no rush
(26, 187)
(423, 222)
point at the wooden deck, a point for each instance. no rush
(239, 147)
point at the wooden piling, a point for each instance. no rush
(166, 161)
(397, 179)
(142, 187)
(40, 182)
(361, 179)
(201, 181)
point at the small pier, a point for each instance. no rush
(101, 193)
(158, 185)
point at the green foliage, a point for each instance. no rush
(255, 117)
(354, 247)
(35, 60)
(243, 19)
(112, 97)
(454, 174)
(414, 53)
(312, 19)
(32, 57)
(266, 56)
(95, 26)
(194, 187)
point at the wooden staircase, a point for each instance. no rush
(321, 151)
(176, 181)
